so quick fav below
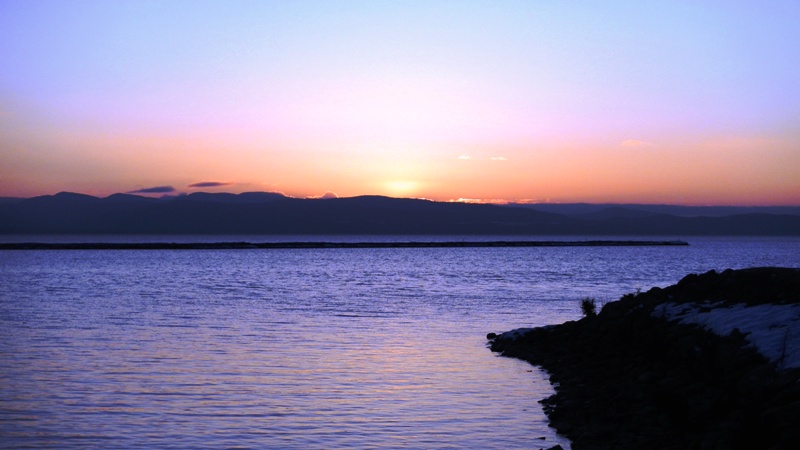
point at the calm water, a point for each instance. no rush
(364, 348)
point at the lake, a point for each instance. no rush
(312, 348)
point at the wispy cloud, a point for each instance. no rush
(154, 190)
(205, 184)
(636, 143)
(495, 201)
(501, 201)
(476, 158)
(326, 195)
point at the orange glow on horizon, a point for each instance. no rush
(708, 171)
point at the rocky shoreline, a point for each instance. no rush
(629, 378)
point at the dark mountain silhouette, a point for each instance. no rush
(245, 197)
(10, 200)
(272, 213)
(617, 212)
(588, 209)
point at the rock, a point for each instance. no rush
(629, 380)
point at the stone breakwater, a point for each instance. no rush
(323, 245)
(631, 378)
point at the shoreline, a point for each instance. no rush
(325, 245)
(633, 377)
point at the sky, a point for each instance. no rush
(680, 102)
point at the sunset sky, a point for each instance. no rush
(683, 102)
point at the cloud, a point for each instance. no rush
(205, 184)
(635, 143)
(501, 201)
(326, 195)
(495, 201)
(480, 158)
(154, 190)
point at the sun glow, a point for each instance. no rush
(401, 188)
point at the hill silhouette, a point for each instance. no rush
(272, 213)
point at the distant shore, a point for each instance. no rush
(323, 245)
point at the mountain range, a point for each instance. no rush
(255, 213)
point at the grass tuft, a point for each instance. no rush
(588, 307)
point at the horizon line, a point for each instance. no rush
(483, 201)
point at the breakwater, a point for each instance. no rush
(323, 245)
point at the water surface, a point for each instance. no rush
(323, 348)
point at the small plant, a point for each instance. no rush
(588, 307)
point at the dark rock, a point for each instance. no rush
(629, 380)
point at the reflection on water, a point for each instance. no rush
(190, 386)
(301, 348)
